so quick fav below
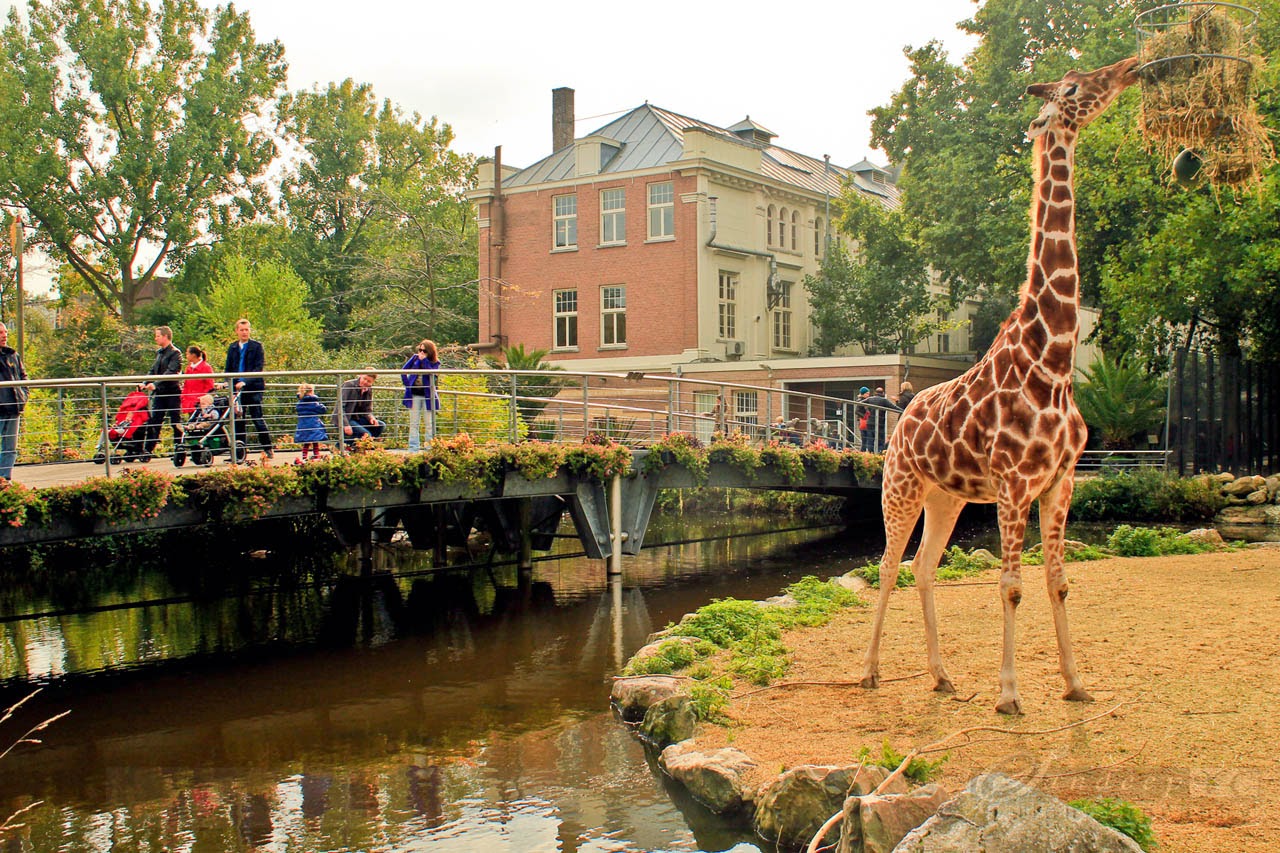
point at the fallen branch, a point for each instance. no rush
(781, 684)
(1088, 769)
(652, 675)
(835, 818)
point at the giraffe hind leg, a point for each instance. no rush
(940, 513)
(1054, 504)
(901, 507)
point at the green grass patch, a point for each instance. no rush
(920, 770)
(1122, 816)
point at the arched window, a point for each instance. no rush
(768, 226)
(795, 230)
(782, 228)
(817, 237)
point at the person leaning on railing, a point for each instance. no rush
(356, 406)
(12, 401)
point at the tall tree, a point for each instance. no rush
(129, 127)
(375, 202)
(877, 297)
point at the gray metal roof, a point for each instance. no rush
(650, 136)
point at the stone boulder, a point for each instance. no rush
(985, 556)
(792, 807)
(669, 721)
(1242, 515)
(1222, 479)
(1256, 498)
(1243, 486)
(1207, 535)
(997, 814)
(714, 778)
(875, 824)
(1273, 486)
(853, 582)
(634, 696)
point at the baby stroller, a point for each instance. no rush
(129, 433)
(202, 440)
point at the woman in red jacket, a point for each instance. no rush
(195, 388)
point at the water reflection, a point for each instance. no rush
(314, 710)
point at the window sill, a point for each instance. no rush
(564, 349)
(611, 347)
(611, 245)
(561, 249)
(668, 239)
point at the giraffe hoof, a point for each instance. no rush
(1012, 707)
(1077, 694)
(944, 685)
(869, 682)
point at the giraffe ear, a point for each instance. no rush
(1041, 90)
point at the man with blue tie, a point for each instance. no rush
(245, 355)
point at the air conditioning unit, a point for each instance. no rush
(735, 349)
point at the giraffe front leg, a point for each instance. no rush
(1013, 528)
(1054, 505)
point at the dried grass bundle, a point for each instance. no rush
(1197, 90)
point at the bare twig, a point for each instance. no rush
(835, 818)
(1088, 769)
(782, 684)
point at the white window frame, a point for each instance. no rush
(795, 230)
(817, 237)
(564, 317)
(781, 242)
(613, 216)
(564, 221)
(727, 312)
(613, 316)
(662, 212)
(746, 412)
(782, 317)
(768, 224)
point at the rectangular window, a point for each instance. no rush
(662, 210)
(613, 216)
(613, 316)
(782, 317)
(746, 412)
(565, 216)
(566, 317)
(728, 328)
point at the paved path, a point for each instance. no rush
(68, 473)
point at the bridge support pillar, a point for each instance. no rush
(615, 527)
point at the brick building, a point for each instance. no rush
(664, 244)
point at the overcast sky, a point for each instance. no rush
(808, 70)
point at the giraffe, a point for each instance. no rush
(1007, 431)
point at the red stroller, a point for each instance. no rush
(128, 433)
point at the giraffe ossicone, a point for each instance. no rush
(1007, 431)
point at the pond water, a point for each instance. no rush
(222, 701)
(230, 699)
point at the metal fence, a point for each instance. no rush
(68, 420)
(1223, 415)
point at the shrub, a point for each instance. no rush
(1129, 541)
(678, 448)
(816, 601)
(1145, 494)
(710, 697)
(135, 495)
(735, 450)
(671, 656)
(1122, 816)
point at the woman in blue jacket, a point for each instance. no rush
(420, 396)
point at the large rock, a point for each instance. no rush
(634, 696)
(792, 807)
(997, 814)
(1243, 486)
(1257, 497)
(1242, 515)
(1207, 535)
(875, 824)
(669, 721)
(1272, 513)
(713, 778)
(1222, 478)
(1273, 486)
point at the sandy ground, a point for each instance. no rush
(1186, 647)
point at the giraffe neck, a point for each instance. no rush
(1048, 312)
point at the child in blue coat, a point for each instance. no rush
(311, 433)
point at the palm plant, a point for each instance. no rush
(1121, 400)
(518, 358)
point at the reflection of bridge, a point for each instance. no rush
(70, 420)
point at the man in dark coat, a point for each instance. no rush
(166, 395)
(245, 355)
(354, 415)
(12, 402)
(878, 422)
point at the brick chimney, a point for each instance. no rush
(561, 118)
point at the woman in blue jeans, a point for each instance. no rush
(12, 401)
(420, 396)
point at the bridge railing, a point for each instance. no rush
(67, 420)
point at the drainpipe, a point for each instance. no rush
(497, 241)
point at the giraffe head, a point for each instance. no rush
(1078, 99)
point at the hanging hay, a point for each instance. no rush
(1199, 62)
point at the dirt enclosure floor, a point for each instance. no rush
(1186, 646)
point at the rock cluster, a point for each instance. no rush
(1250, 499)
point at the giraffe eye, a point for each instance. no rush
(1070, 90)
